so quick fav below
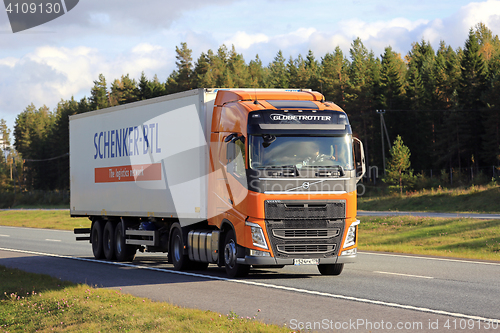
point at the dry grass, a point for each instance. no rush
(40, 303)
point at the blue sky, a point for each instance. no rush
(63, 57)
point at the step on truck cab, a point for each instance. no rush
(233, 177)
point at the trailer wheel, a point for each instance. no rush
(330, 269)
(97, 242)
(232, 251)
(181, 261)
(123, 251)
(108, 240)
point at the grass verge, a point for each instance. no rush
(34, 302)
(43, 219)
(457, 237)
(478, 199)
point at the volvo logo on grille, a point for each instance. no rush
(305, 185)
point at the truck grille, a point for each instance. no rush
(306, 248)
(305, 229)
(305, 233)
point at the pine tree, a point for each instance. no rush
(473, 76)
(99, 94)
(489, 44)
(145, 91)
(392, 82)
(297, 73)
(184, 68)
(278, 72)
(202, 74)
(471, 89)
(4, 135)
(156, 87)
(5, 151)
(31, 130)
(239, 71)
(220, 69)
(124, 91)
(398, 165)
(313, 72)
(258, 76)
(334, 76)
(363, 78)
(490, 148)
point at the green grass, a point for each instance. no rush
(34, 302)
(457, 237)
(476, 199)
(43, 219)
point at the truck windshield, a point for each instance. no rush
(301, 152)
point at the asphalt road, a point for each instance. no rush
(379, 293)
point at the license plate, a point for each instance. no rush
(305, 261)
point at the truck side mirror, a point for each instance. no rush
(359, 158)
(231, 140)
(230, 151)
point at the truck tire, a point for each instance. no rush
(181, 261)
(108, 240)
(96, 235)
(123, 251)
(232, 251)
(330, 269)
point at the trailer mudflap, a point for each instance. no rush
(82, 231)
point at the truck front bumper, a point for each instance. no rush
(270, 261)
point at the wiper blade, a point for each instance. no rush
(326, 171)
(284, 169)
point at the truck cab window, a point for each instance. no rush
(235, 156)
(237, 165)
(324, 151)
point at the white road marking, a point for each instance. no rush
(303, 291)
(53, 240)
(432, 258)
(4, 235)
(407, 275)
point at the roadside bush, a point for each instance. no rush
(34, 199)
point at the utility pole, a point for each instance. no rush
(382, 128)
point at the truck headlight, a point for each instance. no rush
(350, 239)
(258, 238)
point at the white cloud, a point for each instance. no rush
(243, 41)
(399, 32)
(299, 36)
(9, 61)
(49, 74)
(487, 12)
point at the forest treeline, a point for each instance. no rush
(444, 103)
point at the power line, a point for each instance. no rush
(48, 159)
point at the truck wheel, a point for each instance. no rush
(97, 240)
(123, 251)
(108, 240)
(330, 269)
(231, 252)
(181, 261)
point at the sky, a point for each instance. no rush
(62, 58)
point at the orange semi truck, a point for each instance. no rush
(232, 177)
